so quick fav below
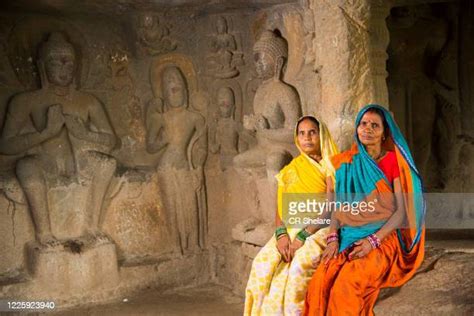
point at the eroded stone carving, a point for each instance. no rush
(63, 136)
(153, 36)
(414, 49)
(24, 38)
(276, 109)
(227, 133)
(125, 96)
(224, 57)
(180, 134)
(7, 75)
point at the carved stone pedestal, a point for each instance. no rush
(73, 267)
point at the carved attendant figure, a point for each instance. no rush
(181, 134)
(227, 133)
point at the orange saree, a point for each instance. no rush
(351, 287)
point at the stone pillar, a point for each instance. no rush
(377, 52)
(332, 51)
(351, 41)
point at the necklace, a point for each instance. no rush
(382, 153)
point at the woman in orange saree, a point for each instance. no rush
(370, 246)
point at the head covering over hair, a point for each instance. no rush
(303, 174)
(358, 177)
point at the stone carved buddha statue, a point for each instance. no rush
(276, 108)
(153, 36)
(224, 57)
(62, 136)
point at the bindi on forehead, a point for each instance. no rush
(371, 117)
(371, 120)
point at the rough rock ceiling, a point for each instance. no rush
(123, 7)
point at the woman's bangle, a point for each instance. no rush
(374, 241)
(280, 231)
(303, 235)
(332, 238)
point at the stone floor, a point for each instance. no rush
(443, 286)
(206, 300)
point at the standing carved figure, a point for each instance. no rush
(227, 135)
(181, 135)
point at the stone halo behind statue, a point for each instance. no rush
(183, 63)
